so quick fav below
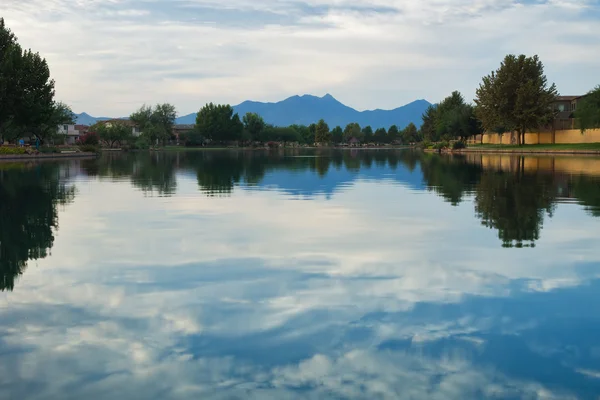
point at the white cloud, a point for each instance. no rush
(110, 57)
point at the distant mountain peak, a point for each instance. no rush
(307, 109)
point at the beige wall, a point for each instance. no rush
(561, 137)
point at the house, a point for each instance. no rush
(181, 129)
(565, 107)
(72, 132)
(135, 130)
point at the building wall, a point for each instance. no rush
(561, 137)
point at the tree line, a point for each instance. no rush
(218, 123)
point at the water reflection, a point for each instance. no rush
(29, 196)
(359, 274)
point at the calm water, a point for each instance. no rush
(238, 275)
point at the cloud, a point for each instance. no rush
(110, 56)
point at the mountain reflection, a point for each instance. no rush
(510, 194)
(29, 196)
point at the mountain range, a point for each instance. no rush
(308, 109)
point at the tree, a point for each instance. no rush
(588, 110)
(381, 136)
(254, 124)
(337, 135)
(428, 127)
(393, 134)
(219, 123)
(410, 134)
(352, 130)
(367, 134)
(516, 96)
(322, 134)
(305, 134)
(113, 132)
(26, 91)
(156, 123)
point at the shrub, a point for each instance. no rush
(89, 148)
(49, 149)
(441, 145)
(427, 144)
(12, 150)
(90, 138)
(459, 145)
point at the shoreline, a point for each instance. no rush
(528, 151)
(47, 156)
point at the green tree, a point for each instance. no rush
(367, 134)
(352, 130)
(381, 136)
(410, 134)
(156, 123)
(516, 96)
(337, 135)
(27, 104)
(113, 132)
(322, 134)
(588, 110)
(306, 135)
(428, 127)
(219, 123)
(393, 134)
(254, 124)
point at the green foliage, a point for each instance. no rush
(410, 134)
(337, 135)
(381, 136)
(428, 127)
(218, 123)
(27, 105)
(280, 134)
(156, 123)
(254, 125)
(588, 110)
(305, 134)
(352, 130)
(459, 145)
(367, 134)
(49, 150)
(191, 138)
(393, 134)
(516, 96)
(89, 148)
(12, 150)
(322, 134)
(141, 143)
(112, 133)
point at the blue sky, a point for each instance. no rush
(110, 56)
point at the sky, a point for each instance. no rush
(109, 57)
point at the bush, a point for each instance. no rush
(459, 145)
(49, 149)
(89, 148)
(441, 145)
(90, 138)
(427, 144)
(191, 138)
(12, 150)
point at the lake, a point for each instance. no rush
(357, 274)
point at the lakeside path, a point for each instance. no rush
(48, 156)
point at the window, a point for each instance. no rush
(561, 107)
(65, 128)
